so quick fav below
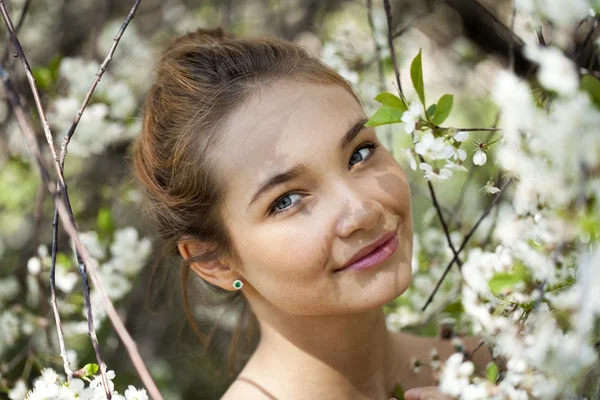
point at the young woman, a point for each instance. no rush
(262, 175)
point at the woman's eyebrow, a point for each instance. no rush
(301, 169)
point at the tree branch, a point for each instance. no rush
(464, 243)
(64, 207)
(388, 14)
(71, 230)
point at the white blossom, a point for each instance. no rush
(433, 148)
(435, 175)
(556, 71)
(19, 391)
(461, 136)
(489, 188)
(411, 116)
(479, 158)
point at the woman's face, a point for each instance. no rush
(335, 197)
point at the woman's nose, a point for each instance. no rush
(358, 210)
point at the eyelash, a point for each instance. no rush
(368, 145)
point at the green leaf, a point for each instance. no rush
(416, 74)
(503, 280)
(105, 222)
(454, 308)
(63, 259)
(431, 110)
(53, 66)
(385, 115)
(90, 369)
(399, 392)
(444, 106)
(492, 372)
(43, 77)
(592, 86)
(390, 100)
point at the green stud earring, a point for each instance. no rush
(238, 284)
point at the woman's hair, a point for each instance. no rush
(201, 79)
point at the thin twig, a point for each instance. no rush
(88, 96)
(61, 181)
(471, 174)
(388, 13)
(470, 355)
(59, 331)
(465, 241)
(436, 204)
(422, 14)
(478, 129)
(63, 154)
(581, 48)
(71, 230)
(380, 67)
(17, 29)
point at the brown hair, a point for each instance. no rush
(201, 79)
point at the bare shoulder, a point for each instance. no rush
(245, 389)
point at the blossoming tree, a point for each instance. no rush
(517, 147)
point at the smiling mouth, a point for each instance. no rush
(376, 257)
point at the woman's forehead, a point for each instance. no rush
(282, 126)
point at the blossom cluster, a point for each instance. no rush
(52, 386)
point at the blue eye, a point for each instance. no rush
(287, 204)
(281, 201)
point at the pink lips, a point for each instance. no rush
(373, 255)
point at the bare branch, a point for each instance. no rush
(71, 230)
(441, 218)
(422, 14)
(20, 21)
(59, 331)
(88, 96)
(465, 241)
(478, 129)
(388, 14)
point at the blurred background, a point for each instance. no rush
(464, 43)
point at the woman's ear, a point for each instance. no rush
(217, 272)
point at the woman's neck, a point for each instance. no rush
(345, 356)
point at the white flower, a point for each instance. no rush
(455, 375)
(435, 175)
(452, 166)
(34, 265)
(514, 98)
(564, 13)
(411, 116)
(408, 155)
(479, 158)
(489, 188)
(129, 251)
(556, 71)
(49, 375)
(459, 154)
(135, 394)
(461, 136)
(433, 148)
(19, 391)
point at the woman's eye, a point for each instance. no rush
(284, 201)
(364, 153)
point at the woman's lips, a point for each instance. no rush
(376, 257)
